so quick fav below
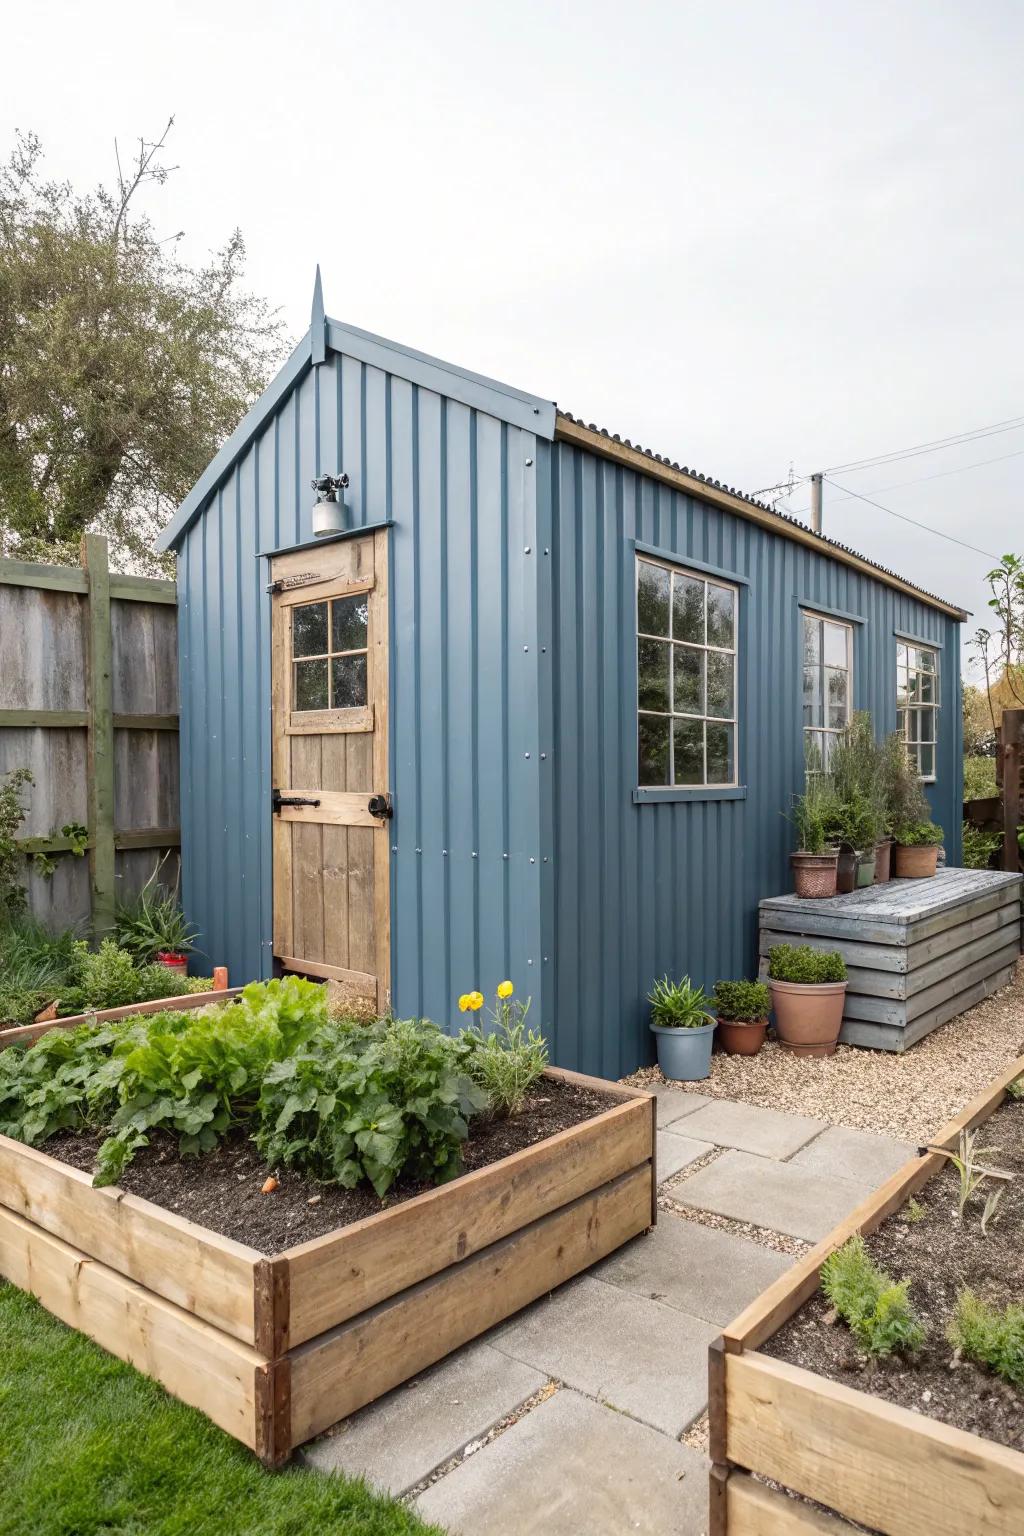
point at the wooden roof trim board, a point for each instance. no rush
(569, 430)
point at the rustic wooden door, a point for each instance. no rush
(330, 764)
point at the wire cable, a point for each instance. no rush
(913, 521)
(1010, 424)
(920, 479)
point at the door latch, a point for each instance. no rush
(277, 800)
(380, 806)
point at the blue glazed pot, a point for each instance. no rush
(684, 1055)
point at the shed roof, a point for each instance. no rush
(521, 409)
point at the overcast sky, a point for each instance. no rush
(743, 234)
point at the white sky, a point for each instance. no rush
(742, 234)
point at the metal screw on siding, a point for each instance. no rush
(543, 757)
(529, 962)
(526, 551)
(473, 854)
(545, 858)
(526, 754)
(394, 847)
(444, 853)
(543, 650)
(528, 463)
(545, 959)
(547, 551)
(419, 850)
(504, 855)
(533, 860)
(526, 647)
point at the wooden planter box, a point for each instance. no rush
(27, 1034)
(274, 1350)
(862, 1458)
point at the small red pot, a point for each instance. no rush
(173, 961)
(741, 1037)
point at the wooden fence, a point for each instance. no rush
(89, 704)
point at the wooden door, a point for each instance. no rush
(329, 708)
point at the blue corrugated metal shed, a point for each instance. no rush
(519, 845)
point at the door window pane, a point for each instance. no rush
(309, 630)
(652, 598)
(653, 734)
(348, 622)
(348, 682)
(311, 684)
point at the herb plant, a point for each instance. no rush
(990, 1336)
(814, 813)
(876, 1309)
(746, 1002)
(108, 978)
(918, 834)
(678, 1004)
(801, 964)
(153, 922)
(979, 846)
(973, 1167)
(508, 1060)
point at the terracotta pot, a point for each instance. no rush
(808, 1018)
(883, 861)
(916, 863)
(172, 961)
(741, 1038)
(846, 870)
(814, 874)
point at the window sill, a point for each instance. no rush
(676, 794)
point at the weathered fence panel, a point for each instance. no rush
(89, 704)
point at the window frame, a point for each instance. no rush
(906, 645)
(822, 616)
(726, 788)
(351, 718)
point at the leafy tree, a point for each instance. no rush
(1001, 651)
(122, 368)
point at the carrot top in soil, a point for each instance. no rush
(222, 1189)
(940, 1255)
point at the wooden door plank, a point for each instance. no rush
(307, 854)
(361, 947)
(281, 764)
(380, 691)
(338, 807)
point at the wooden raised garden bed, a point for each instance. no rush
(25, 1034)
(859, 1457)
(274, 1350)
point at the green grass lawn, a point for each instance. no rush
(88, 1445)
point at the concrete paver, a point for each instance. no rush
(770, 1194)
(674, 1103)
(676, 1151)
(861, 1156)
(398, 1440)
(752, 1129)
(575, 1467)
(706, 1273)
(642, 1356)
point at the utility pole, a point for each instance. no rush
(816, 481)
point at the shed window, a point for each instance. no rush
(917, 703)
(827, 684)
(686, 677)
(329, 644)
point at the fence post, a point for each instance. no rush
(1012, 739)
(100, 705)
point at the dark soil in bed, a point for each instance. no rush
(223, 1189)
(939, 1255)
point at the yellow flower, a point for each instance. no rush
(464, 1002)
(475, 1001)
(505, 989)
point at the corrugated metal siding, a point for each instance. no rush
(640, 890)
(464, 700)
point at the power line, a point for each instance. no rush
(1010, 424)
(913, 520)
(939, 475)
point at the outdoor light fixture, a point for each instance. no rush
(328, 511)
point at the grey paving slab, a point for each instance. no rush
(674, 1103)
(396, 1441)
(642, 1356)
(749, 1128)
(771, 1194)
(676, 1151)
(706, 1273)
(860, 1156)
(575, 1467)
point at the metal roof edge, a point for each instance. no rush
(571, 430)
(233, 447)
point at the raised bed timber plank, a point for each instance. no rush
(862, 1458)
(28, 1033)
(754, 1509)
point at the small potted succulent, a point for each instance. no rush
(816, 858)
(808, 988)
(153, 928)
(683, 1028)
(742, 1008)
(917, 850)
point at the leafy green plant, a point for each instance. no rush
(914, 1211)
(12, 860)
(876, 1309)
(814, 813)
(856, 769)
(990, 1336)
(806, 966)
(980, 778)
(918, 834)
(746, 1002)
(1016, 1088)
(507, 1060)
(77, 834)
(153, 922)
(979, 846)
(678, 1004)
(903, 799)
(33, 965)
(109, 978)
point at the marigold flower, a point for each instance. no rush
(505, 989)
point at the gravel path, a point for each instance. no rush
(908, 1096)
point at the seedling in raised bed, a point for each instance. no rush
(970, 1164)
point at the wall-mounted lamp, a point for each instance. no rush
(328, 511)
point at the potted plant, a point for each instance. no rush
(917, 849)
(153, 928)
(808, 988)
(856, 829)
(815, 860)
(742, 1008)
(683, 1028)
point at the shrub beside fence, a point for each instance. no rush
(89, 704)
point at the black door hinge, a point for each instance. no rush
(381, 807)
(277, 800)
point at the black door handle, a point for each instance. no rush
(277, 800)
(380, 806)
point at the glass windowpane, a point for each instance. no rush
(912, 731)
(836, 653)
(652, 598)
(721, 616)
(901, 656)
(309, 630)
(926, 660)
(348, 623)
(812, 696)
(689, 680)
(652, 663)
(926, 687)
(688, 609)
(348, 682)
(926, 762)
(812, 640)
(926, 730)
(720, 753)
(837, 684)
(653, 738)
(720, 689)
(689, 748)
(311, 683)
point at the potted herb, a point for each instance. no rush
(683, 1028)
(917, 849)
(742, 1008)
(808, 988)
(856, 827)
(815, 860)
(153, 928)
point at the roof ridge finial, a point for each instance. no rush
(318, 321)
